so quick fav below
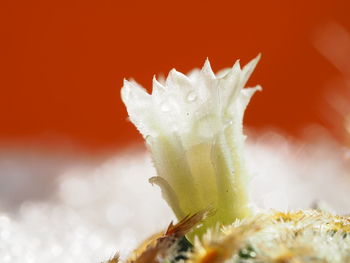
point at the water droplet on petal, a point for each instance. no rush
(191, 96)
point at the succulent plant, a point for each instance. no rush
(193, 127)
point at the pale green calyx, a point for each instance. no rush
(193, 127)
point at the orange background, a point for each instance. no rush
(62, 63)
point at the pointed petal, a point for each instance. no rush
(139, 106)
(178, 79)
(237, 65)
(247, 94)
(132, 91)
(168, 194)
(249, 68)
(207, 71)
(230, 88)
(158, 89)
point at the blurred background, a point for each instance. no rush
(73, 181)
(63, 62)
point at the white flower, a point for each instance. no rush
(193, 127)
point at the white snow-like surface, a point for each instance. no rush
(82, 213)
(65, 208)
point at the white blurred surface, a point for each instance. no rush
(81, 213)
